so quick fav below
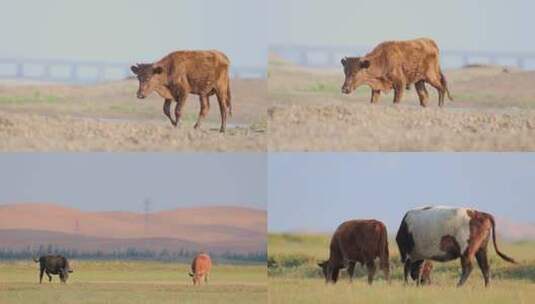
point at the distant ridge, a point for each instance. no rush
(222, 229)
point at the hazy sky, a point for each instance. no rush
(133, 30)
(455, 24)
(121, 181)
(316, 192)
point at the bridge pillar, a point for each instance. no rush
(74, 72)
(303, 58)
(520, 62)
(20, 70)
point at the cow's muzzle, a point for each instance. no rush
(140, 95)
(346, 90)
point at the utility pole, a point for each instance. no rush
(146, 205)
(76, 227)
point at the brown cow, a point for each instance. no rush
(178, 74)
(421, 272)
(442, 234)
(200, 268)
(396, 65)
(357, 241)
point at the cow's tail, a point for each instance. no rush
(502, 255)
(383, 251)
(229, 100)
(444, 83)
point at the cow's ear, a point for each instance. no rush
(343, 61)
(365, 64)
(157, 70)
(134, 69)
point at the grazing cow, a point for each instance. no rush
(53, 264)
(442, 233)
(178, 74)
(396, 65)
(200, 268)
(357, 241)
(421, 272)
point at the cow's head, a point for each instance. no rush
(330, 273)
(355, 69)
(149, 78)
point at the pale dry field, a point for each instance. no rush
(132, 282)
(109, 117)
(493, 110)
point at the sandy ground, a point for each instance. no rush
(493, 110)
(108, 117)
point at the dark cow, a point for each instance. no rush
(442, 233)
(200, 268)
(397, 65)
(53, 264)
(178, 74)
(421, 272)
(357, 241)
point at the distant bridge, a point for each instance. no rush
(86, 72)
(329, 56)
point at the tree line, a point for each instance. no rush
(131, 253)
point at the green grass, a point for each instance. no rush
(35, 98)
(294, 277)
(132, 282)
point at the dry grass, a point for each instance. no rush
(108, 117)
(132, 282)
(492, 111)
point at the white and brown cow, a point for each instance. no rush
(442, 234)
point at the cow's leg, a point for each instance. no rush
(398, 92)
(466, 264)
(406, 269)
(167, 110)
(422, 92)
(385, 267)
(483, 262)
(375, 96)
(335, 273)
(41, 272)
(222, 100)
(205, 106)
(351, 270)
(49, 276)
(370, 265)
(433, 81)
(206, 278)
(180, 102)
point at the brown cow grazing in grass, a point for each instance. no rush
(359, 241)
(442, 234)
(200, 268)
(421, 272)
(178, 74)
(397, 65)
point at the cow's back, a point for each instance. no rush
(201, 264)
(411, 57)
(360, 240)
(210, 62)
(429, 225)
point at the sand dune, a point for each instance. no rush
(240, 229)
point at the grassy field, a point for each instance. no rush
(132, 282)
(294, 277)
